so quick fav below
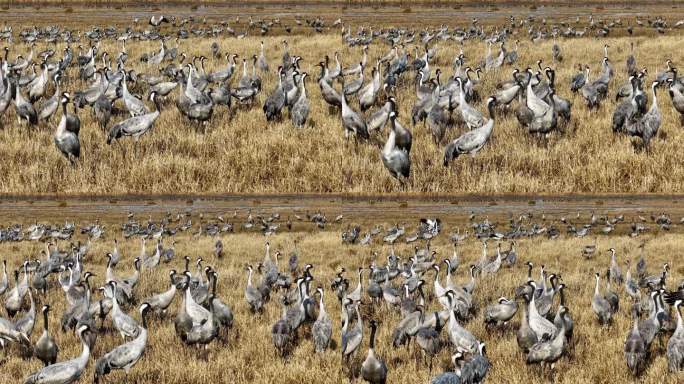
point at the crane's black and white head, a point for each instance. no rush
(144, 307)
(65, 98)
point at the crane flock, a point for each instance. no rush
(112, 86)
(436, 313)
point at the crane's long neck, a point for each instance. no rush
(562, 297)
(321, 305)
(391, 141)
(372, 339)
(596, 290)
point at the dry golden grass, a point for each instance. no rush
(241, 153)
(249, 357)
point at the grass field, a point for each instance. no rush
(240, 152)
(249, 357)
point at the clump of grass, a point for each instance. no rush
(69, 10)
(407, 10)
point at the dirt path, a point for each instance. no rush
(355, 209)
(394, 14)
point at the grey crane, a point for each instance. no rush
(648, 125)
(206, 331)
(156, 21)
(182, 322)
(472, 141)
(369, 93)
(276, 101)
(25, 110)
(471, 116)
(225, 74)
(46, 349)
(612, 297)
(396, 160)
(428, 338)
(15, 297)
(102, 108)
(322, 327)
(66, 135)
(352, 122)
(541, 326)
(161, 301)
(38, 86)
(252, 294)
(556, 53)
(474, 369)
(450, 377)
(66, 372)
(4, 282)
(627, 108)
(458, 335)
(262, 63)
(373, 368)
(329, 94)
(281, 333)
(357, 68)
(287, 61)
(563, 317)
(675, 346)
(525, 336)
(49, 107)
(580, 79)
(299, 112)
(630, 64)
(351, 338)
(650, 327)
(615, 272)
(124, 356)
(635, 348)
(25, 323)
(352, 87)
(221, 311)
(548, 351)
(134, 105)
(590, 91)
(335, 73)
(501, 312)
(677, 98)
(408, 325)
(377, 120)
(124, 324)
(135, 126)
(600, 305)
